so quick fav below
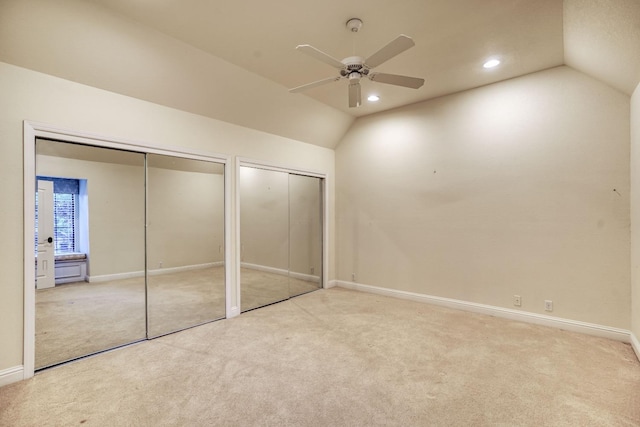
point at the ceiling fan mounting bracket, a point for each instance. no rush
(354, 24)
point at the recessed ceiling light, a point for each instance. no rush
(491, 63)
(373, 98)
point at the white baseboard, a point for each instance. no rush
(170, 270)
(522, 316)
(116, 276)
(635, 344)
(11, 375)
(156, 272)
(331, 284)
(281, 272)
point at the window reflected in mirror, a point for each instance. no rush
(90, 285)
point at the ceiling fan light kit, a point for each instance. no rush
(355, 68)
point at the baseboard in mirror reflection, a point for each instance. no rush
(11, 375)
(521, 316)
(282, 272)
(156, 272)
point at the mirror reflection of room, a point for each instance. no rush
(185, 243)
(101, 280)
(305, 234)
(90, 290)
(281, 236)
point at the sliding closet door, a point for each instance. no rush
(305, 234)
(185, 243)
(280, 235)
(264, 237)
(97, 300)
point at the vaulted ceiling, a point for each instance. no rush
(235, 60)
(453, 39)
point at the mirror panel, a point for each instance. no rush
(264, 237)
(90, 292)
(185, 243)
(305, 234)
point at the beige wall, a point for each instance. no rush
(635, 212)
(506, 189)
(186, 218)
(280, 220)
(115, 194)
(305, 225)
(185, 213)
(39, 97)
(264, 217)
(86, 43)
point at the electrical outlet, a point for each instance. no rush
(517, 301)
(353, 277)
(313, 270)
(548, 305)
(160, 264)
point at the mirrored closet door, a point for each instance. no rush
(305, 234)
(185, 243)
(90, 213)
(280, 235)
(128, 246)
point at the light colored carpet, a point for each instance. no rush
(342, 358)
(259, 288)
(78, 319)
(180, 300)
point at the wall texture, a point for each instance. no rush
(635, 213)
(42, 98)
(520, 187)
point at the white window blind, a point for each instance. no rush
(64, 222)
(65, 214)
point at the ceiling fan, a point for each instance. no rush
(355, 68)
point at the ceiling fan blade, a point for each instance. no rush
(354, 95)
(320, 55)
(393, 48)
(394, 79)
(314, 84)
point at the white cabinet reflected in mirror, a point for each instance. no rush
(280, 235)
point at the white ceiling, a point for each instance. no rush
(234, 60)
(602, 39)
(453, 38)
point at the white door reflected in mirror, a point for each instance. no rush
(45, 264)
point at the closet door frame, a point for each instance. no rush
(261, 164)
(33, 130)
